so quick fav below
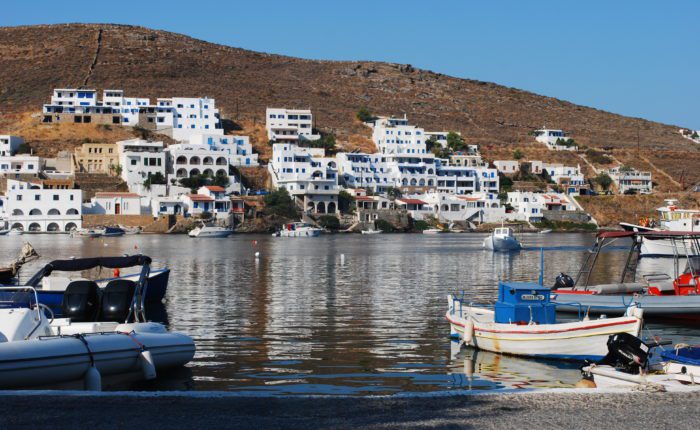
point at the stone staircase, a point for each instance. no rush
(91, 183)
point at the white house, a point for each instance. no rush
(129, 108)
(186, 160)
(507, 167)
(30, 206)
(210, 199)
(289, 125)
(308, 175)
(238, 147)
(114, 203)
(477, 207)
(530, 206)
(23, 164)
(570, 178)
(193, 116)
(166, 206)
(140, 159)
(9, 144)
(555, 140)
(397, 136)
(631, 180)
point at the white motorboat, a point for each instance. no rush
(502, 239)
(524, 323)
(670, 218)
(298, 229)
(4, 232)
(105, 333)
(15, 232)
(433, 231)
(87, 232)
(210, 231)
(371, 232)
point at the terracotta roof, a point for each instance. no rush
(200, 198)
(364, 198)
(412, 201)
(215, 188)
(116, 194)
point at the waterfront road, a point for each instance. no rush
(504, 411)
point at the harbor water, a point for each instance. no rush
(343, 314)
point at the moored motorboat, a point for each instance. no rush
(502, 239)
(433, 231)
(524, 323)
(52, 280)
(371, 232)
(112, 231)
(298, 229)
(15, 232)
(86, 232)
(210, 231)
(658, 294)
(105, 333)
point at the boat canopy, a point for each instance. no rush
(80, 264)
(650, 234)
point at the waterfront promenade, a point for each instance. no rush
(584, 410)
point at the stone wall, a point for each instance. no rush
(146, 222)
(569, 216)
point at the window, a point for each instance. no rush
(55, 197)
(37, 197)
(133, 162)
(19, 197)
(71, 197)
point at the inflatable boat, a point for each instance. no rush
(104, 333)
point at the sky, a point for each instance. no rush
(638, 58)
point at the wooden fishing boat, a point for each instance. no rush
(523, 323)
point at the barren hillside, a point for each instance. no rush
(154, 63)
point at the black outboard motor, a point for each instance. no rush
(563, 282)
(81, 301)
(626, 353)
(116, 299)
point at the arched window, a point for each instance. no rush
(181, 160)
(52, 227)
(35, 212)
(181, 173)
(208, 172)
(194, 172)
(194, 160)
(17, 226)
(71, 226)
(17, 212)
(54, 212)
(72, 211)
(221, 172)
(34, 227)
(208, 161)
(221, 161)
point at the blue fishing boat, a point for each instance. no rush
(50, 289)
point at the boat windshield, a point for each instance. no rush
(16, 299)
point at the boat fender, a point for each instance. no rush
(92, 380)
(468, 331)
(147, 365)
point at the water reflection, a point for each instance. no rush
(343, 314)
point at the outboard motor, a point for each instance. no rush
(626, 353)
(116, 299)
(81, 301)
(563, 282)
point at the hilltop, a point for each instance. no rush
(154, 63)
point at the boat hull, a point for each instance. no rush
(686, 307)
(155, 291)
(300, 233)
(502, 244)
(212, 234)
(580, 340)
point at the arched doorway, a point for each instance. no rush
(17, 226)
(52, 227)
(321, 207)
(331, 208)
(71, 226)
(34, 226)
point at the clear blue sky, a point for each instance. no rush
(634, 57)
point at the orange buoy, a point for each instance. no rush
(116, 273)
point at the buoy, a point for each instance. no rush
(93, 379)
(468, 331)
(147, 365)
(116, 273)
(585, 383)
(342, 258)
(257, 254)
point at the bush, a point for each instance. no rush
(393, 193)
(420, 225)
(196, 181)
(329, 221)
(517, 154)
(604, 180)
(597, 157)
(364, 115)
(455, 141)
(24, 149)
(384, 226)
(279, 203)
(327, 142)
(345, 202)
(154, 179)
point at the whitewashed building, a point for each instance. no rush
(531, 206)
(114, 203)
(129, 108)
(32, 207)
(211, 199)
(289, 125)
(397, 136)
(570, 178)
(238, 147)
(140, 159)
(186, 160)
(631, 180)
(555, 140)
(507, 167)
(16, 165)
(308, 175)
(9, 144)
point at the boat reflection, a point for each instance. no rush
(478, 370)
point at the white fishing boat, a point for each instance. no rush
(524, 323)
(210, 231)
(105, 333)
(433, 231)
(545, 231)
(371, 232)
(502, 239)
(670, 218)
(298, 229)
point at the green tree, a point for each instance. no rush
(517, 154)
(154, 179)
(455, 141)
(694, 135)
(383, 225)
(441, 152)
(432, 143)
(393, 193)
(345, 202)
(604, 180)
(279, 203)
(364, 115)
(24, 149)
(329, 221)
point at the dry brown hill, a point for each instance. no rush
(152, 63)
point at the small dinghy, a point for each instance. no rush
(105, 334)
(628, 364)
(524, 323)
(54, 279)
(502, 239)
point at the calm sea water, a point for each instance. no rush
(341, 314)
